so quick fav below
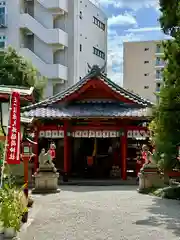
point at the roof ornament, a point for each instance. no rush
(96, 71)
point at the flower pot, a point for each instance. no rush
(24, 217)
(9, 233)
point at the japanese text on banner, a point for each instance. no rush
(13, 147)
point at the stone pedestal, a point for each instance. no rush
(149, 177)
(46, 181)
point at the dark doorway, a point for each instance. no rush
(82, 148)
(101, 150)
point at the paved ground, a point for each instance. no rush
(102, 213)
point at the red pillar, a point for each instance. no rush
(66, 149)
(124, 155)
(36, 137)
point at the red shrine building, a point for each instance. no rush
(97, 127)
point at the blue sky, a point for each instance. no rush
(128, 20)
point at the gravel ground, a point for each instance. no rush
(102, 213)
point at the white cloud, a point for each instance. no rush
(123, 19)
(145, 29)
(132, 4)
(115, 54)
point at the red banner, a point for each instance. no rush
(13, 141)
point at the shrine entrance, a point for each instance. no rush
(94, 124)
(95, 157)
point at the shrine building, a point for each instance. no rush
(97, 126)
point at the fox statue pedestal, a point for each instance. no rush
(149, 177)
(46, 177)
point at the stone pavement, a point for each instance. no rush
(102, 213)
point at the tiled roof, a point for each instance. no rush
(89, 110)
(60, 96)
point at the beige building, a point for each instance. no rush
(143, 65)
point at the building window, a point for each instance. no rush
(2, 41)
(2, 14)
(158, 74)
(146, 62)
(80, 47)
(158, 86)
(159, 62)
(99, 53)
(146, 74)
(80, 15)
(158, 48)
(146, 49)
(146, 87)
(99, 23)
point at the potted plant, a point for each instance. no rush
(12, 224)
(10, 211)
(24, 218)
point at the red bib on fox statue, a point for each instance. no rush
(52, 150)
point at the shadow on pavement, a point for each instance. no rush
(164, 212)
(96, 188)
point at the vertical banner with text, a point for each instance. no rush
(13, 141)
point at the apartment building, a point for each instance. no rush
(59, 37)
(143, 65)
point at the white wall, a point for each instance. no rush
(41, 49)
(80, 31)
(85, 32)
(90, 35)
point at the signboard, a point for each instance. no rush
(138, 134)
(13, 138)
(55, 134)
(51, 134)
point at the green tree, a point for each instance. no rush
(16, 71)
(166, 122)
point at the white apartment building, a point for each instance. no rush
(143, 65)
(59, 37)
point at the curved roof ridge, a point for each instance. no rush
(94, 73)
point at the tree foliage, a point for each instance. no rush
(166, 123)
(16, 71)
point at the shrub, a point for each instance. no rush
(171, 192)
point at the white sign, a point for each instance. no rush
(138, 134)
(51, 134)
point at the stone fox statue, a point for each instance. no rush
(45, 158)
